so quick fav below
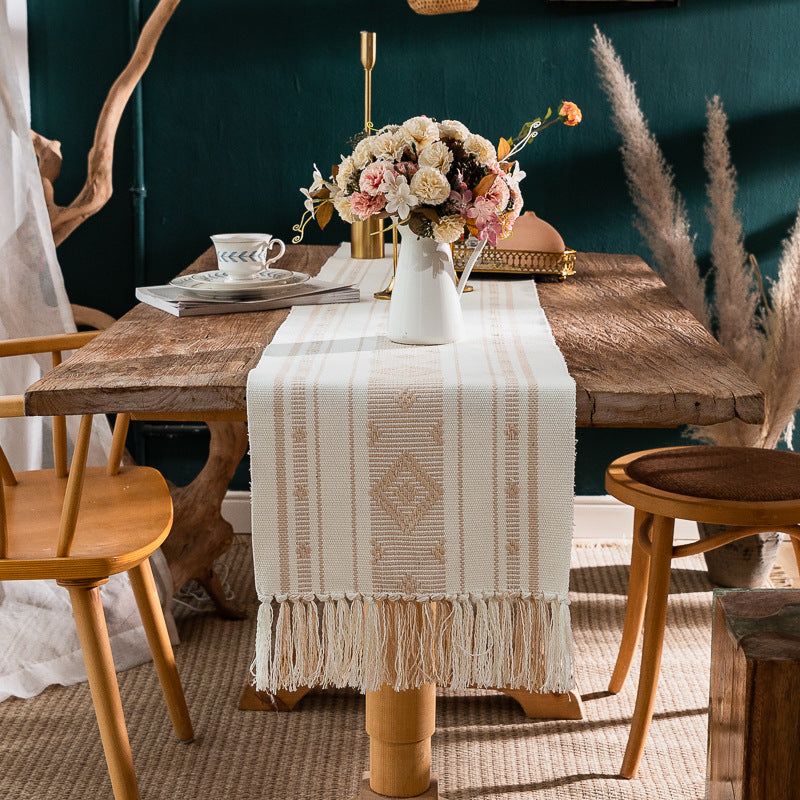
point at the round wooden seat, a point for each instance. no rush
(721, 473)
(750, 489)
(725, 485)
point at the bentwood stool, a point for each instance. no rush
(78, 525)
(754, 489)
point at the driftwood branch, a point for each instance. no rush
(98, 187)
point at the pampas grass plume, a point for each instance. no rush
(780, 372)
(736, 293)
(662, 219)
(764, 343)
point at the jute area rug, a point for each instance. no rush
(484, 749)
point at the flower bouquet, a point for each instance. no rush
(436, 180)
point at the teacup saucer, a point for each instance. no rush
(217, 282)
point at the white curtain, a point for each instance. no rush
(39, 641)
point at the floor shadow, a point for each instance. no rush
(506, 720)
(519, 788)
(613, 579)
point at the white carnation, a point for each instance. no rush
(342, 204)
(402, 140)
(436, 155)
(385, 147)
(423, 130)
(453, 128)
(362, 155)
(430, 186)
(482, 148)
(448, 229)
(346, 173)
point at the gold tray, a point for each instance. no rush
(516, 262)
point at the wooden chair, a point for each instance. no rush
(756, 490)
(78, 526)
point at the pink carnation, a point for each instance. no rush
(372, 177)
(499, 193)
(364, 205)
(516, 198)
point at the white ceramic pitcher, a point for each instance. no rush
(425, 307)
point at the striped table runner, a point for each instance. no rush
(412, 506)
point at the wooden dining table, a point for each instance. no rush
(639, 359)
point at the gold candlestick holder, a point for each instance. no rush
(386, 294)
(366, 238)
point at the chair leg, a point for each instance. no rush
(146, 594)
(634, 608)
(653, 642)
(93, 634)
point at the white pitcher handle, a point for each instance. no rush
(476, 254)
(275, 258)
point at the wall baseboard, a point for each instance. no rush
(597, 517)
(236, 509)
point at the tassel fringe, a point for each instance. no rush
(459, 642)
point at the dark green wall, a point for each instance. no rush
(243, 96)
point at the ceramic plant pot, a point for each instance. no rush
(744, 564)
(425, 306)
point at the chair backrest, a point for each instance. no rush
(14, 406)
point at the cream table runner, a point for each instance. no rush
(412, 506)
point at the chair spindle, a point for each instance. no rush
(118, 443)
(72, 497)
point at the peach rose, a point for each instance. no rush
(569, 113)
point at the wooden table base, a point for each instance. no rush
(400, 726)
(199, 534)
(535, 704)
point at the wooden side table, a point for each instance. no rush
(754, 706)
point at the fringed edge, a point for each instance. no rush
(365, 642)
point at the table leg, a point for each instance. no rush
(548, 705)
(400, 726)
(199, 534)
(283, 700)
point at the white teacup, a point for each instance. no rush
(241, 256)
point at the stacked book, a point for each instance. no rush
(194, 295)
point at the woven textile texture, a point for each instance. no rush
(412, 506)
(485, 748)
(749, 474)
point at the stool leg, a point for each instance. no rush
(655, 619)
(146, 594)
(634, 609)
